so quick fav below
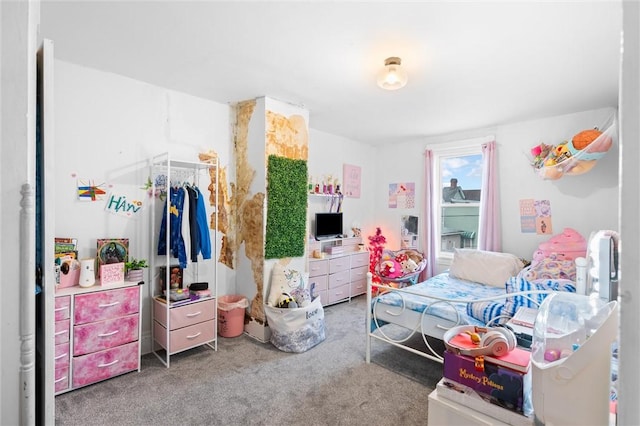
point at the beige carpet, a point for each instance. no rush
(250, 383)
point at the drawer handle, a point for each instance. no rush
(108, 305)
(60, 379)
(111, 333)
(195, 314)
(61, 356)
(109, 364)
(195, 335)
(61, 332)
(64, 308)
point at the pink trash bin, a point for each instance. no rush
(231, 309)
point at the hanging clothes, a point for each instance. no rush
(176, 243)
(194, 236)
(203, 226)
(186, 223)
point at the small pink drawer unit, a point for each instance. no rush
(97, 334)
(184, 327)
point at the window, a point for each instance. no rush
(457, 194)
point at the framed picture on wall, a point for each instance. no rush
(351, 176)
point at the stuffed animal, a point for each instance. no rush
(582, 139)
(301, 296)
(409, 266)
(286, 301)
(390, 268)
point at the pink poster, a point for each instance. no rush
(351, 176)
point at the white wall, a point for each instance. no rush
(327, 155)
(107, 127)
(586, 203)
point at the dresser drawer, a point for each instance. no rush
(338, 293)
(106, 334)
(360, 273)
(61, 357)
(339, 279)
(318, 267)
(339, 264)
(318, 283)
(358, 287)
(62, 331)
(62, 308)
(360, 259)
(102, 365)
(187, 337)
(104, 305)
(61, 378)
(186, 315)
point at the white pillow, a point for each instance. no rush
(285, 280)
(485, 267)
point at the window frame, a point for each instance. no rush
(460, 148)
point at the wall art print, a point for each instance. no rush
(535, 217)
(351, 176)
(402, 195)
(89, 190)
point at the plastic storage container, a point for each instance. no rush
(571, 358)
(231, 309)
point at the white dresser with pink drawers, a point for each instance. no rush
(339, 277)
(97, 334)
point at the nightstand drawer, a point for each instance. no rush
(104, 334)
(104, 305)
(187, 337)
(186, 315)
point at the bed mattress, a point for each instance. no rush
(424, 301)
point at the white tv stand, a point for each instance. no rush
(341, 271)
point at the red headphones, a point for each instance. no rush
(476, 341)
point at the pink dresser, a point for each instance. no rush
(97, 334)
(184, 327)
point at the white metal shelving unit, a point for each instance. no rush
(177, 327)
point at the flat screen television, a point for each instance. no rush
(328, 225)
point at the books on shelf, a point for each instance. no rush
(517, 359)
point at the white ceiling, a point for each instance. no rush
(471, 64)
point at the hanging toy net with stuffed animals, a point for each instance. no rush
(577, 155)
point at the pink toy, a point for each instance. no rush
(390, 268)
(567, 246)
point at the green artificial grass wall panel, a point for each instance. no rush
(286, 207)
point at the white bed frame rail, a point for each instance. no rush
(418, 322)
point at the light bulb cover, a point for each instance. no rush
(392, 76)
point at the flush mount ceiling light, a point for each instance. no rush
(392, 76)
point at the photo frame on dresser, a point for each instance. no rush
(112, 250)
